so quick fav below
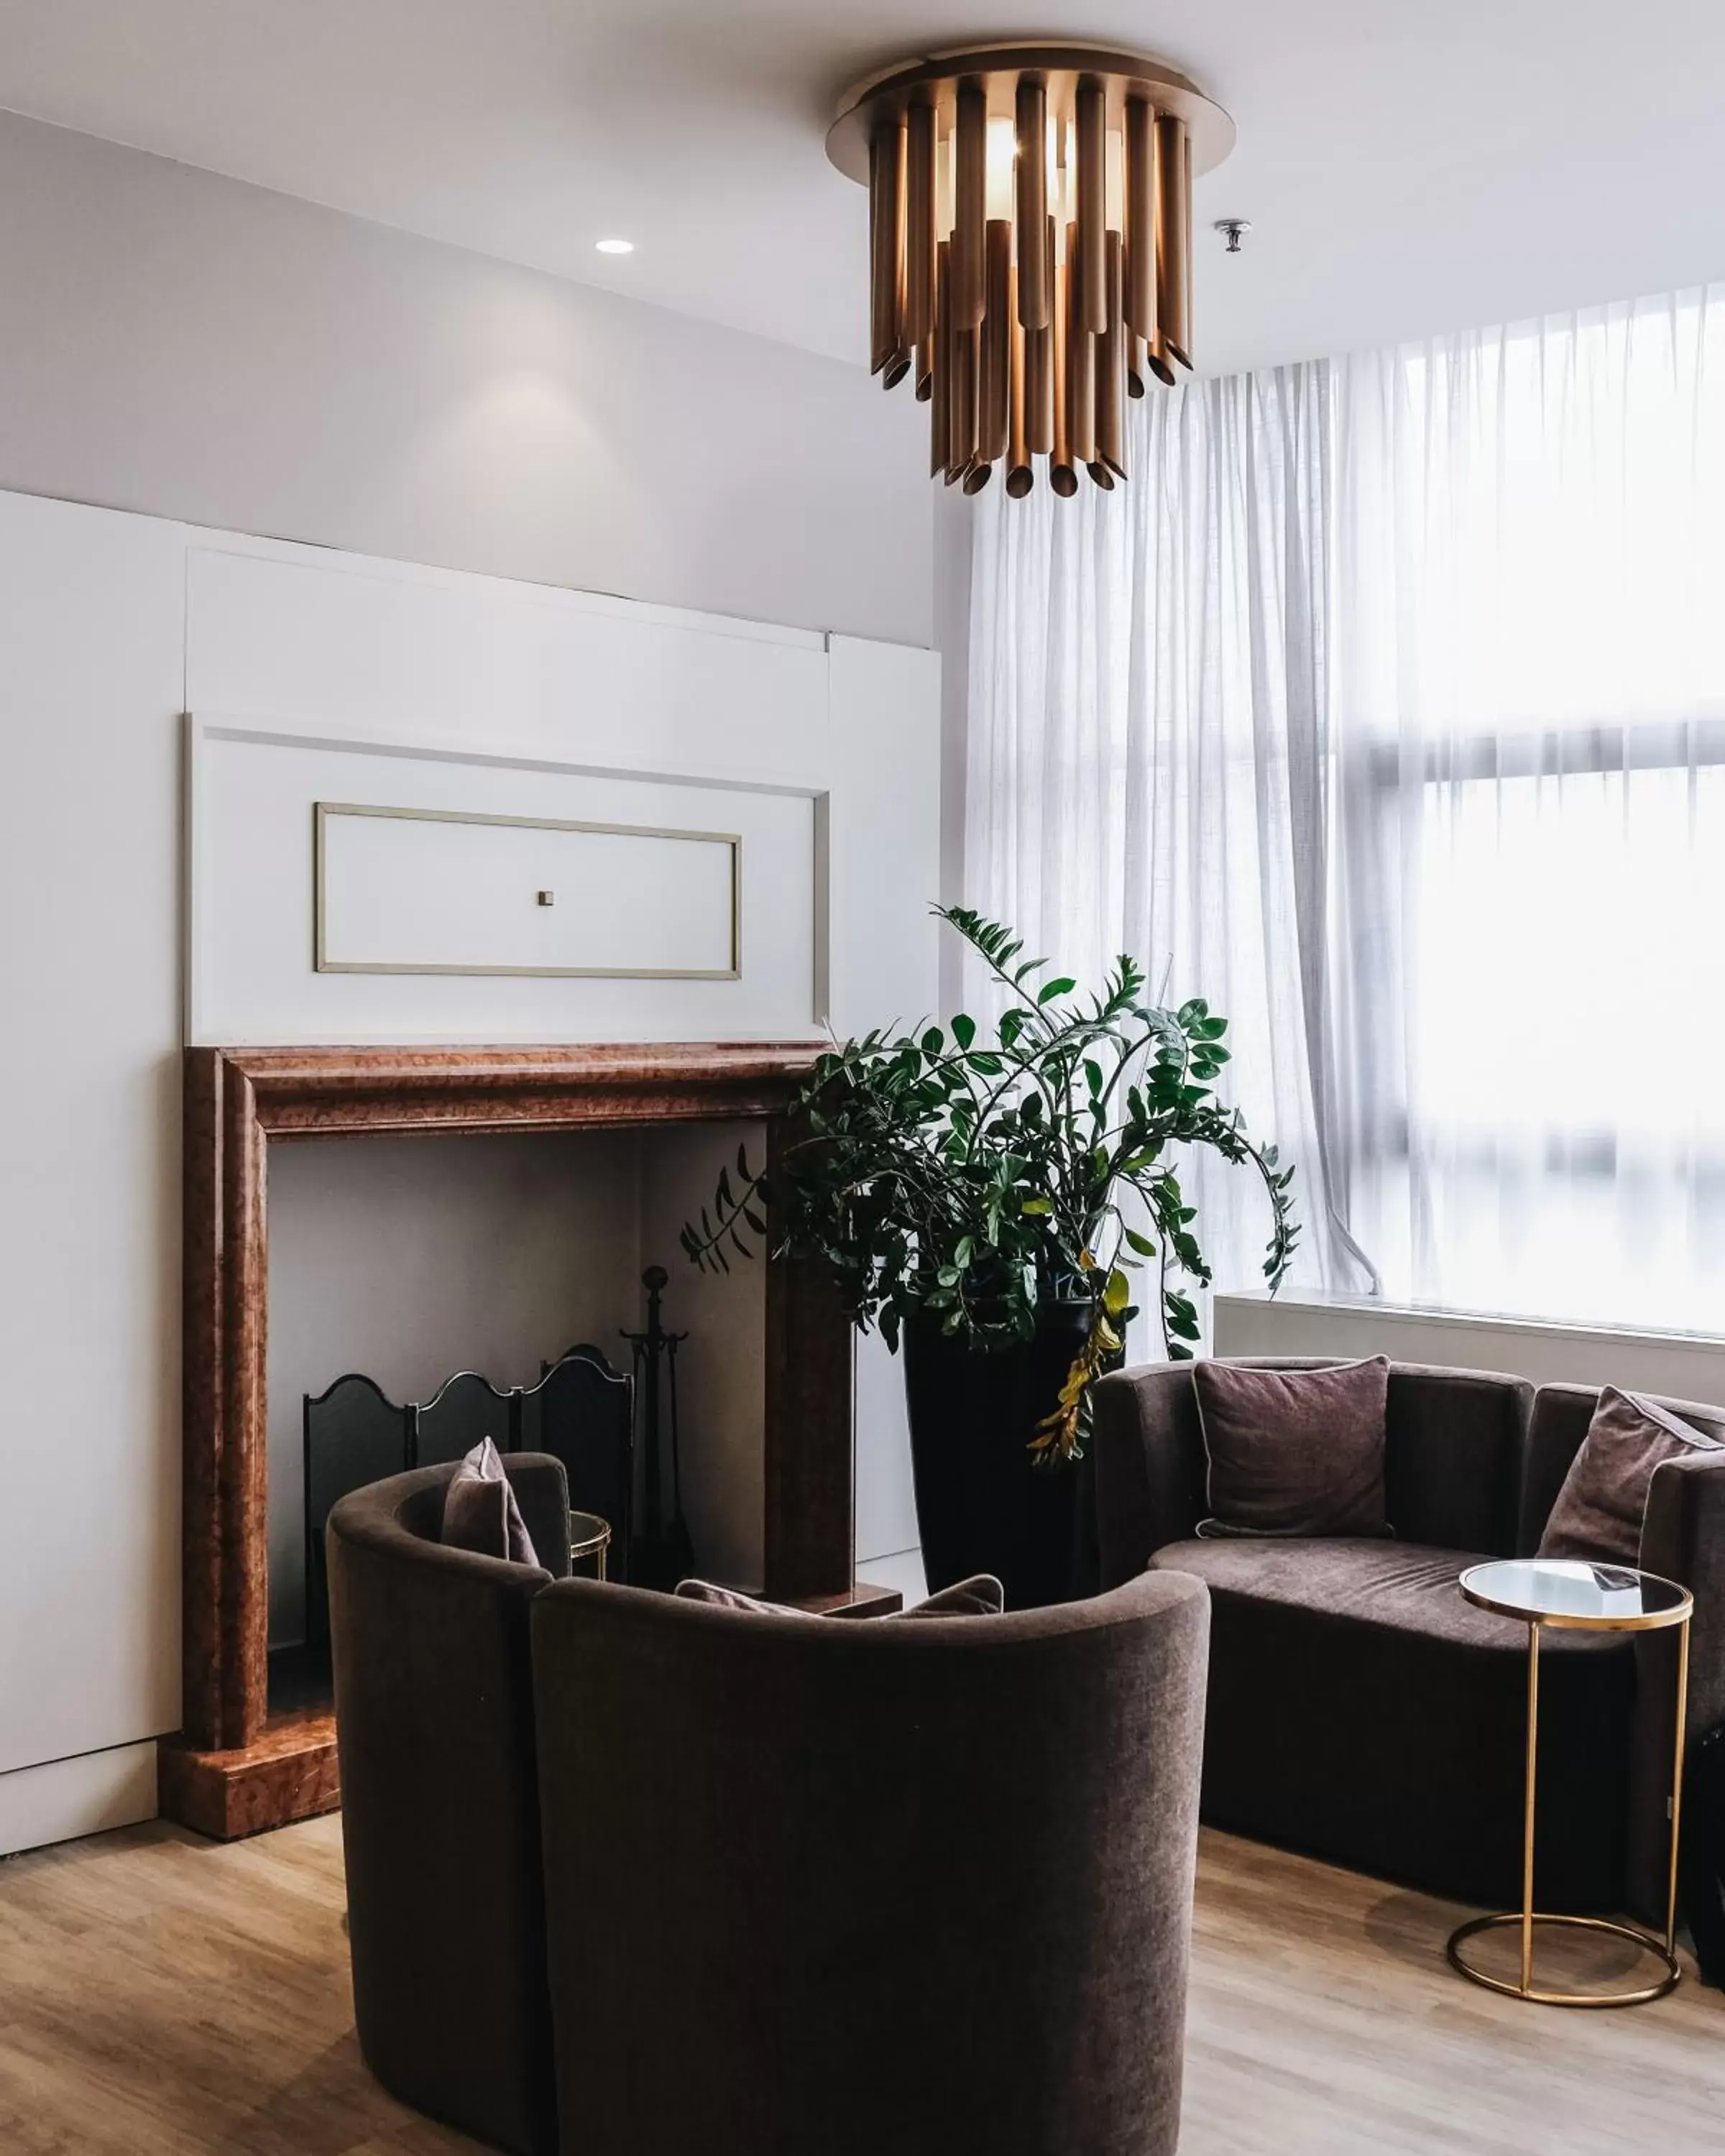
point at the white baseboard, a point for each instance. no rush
(66, 1798)
(1685, 1366)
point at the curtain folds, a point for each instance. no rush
(1385, 708)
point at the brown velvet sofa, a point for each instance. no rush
(1361, 1710)
(808, 1886)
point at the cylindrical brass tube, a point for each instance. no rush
(1020, 477)
(920, 237)
(1173, 239)
(1110, 370)
(1039, 390)
(1031, 187)
(962, 443)
(886, 161)
(1061, 477)
(1140, 216)
(1090, 273)
(995, 392)
(925, 370)
(970, 206)
(1080, 366)
(1135, 365)
(940, 407)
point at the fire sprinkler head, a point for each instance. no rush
(1234, 230)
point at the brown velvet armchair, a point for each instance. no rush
(921, 1885)
(440, 1801)
(1361, 1710)
(759, 1886)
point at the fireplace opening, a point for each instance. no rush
(391, 1253)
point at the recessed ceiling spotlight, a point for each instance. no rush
(615, 246)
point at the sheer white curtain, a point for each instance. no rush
(1149, 698)
(1385, 707)
(1529, 709)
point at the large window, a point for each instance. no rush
(1386, 707)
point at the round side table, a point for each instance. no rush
(590, 1540)
(1569, 1595)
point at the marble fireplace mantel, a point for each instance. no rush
(234, 1768)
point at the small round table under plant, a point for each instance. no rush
(1568, 1595)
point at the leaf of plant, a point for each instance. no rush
(964, 1029)
(1060, 987)
(1141, 1243)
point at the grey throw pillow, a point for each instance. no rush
(983, 1596)
(479, 1511)
(1294, 1452)
(1598, 1511)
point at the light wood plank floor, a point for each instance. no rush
(161, 1996)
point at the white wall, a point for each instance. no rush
(111, 626)
(179, 343)
(185, 346)
(91, 680)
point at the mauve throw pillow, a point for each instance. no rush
(1600, 1509)
(1294, 1452)
(983, 1596)
(480, 1512)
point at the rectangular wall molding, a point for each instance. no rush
(446, 891)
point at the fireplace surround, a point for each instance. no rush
(234, 1768)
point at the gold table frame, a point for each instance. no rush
(584, 1543)
(1527, 1916)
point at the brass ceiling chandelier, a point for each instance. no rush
(1030, 245)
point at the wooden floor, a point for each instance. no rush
(160, 1996)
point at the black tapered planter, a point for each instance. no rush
(982, 1504)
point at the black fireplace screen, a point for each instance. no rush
(582, 1411)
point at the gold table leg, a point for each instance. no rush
(1526, 1917)
(1530, 1786)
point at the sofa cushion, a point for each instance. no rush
(1603, 1502)
(1294, 1452)
(480, 1512)
(1360, 1710)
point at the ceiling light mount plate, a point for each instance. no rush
(934, 79)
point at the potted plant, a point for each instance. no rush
(984, 1199)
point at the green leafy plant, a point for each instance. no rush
(972, 1178)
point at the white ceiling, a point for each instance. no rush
(1408, 165)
